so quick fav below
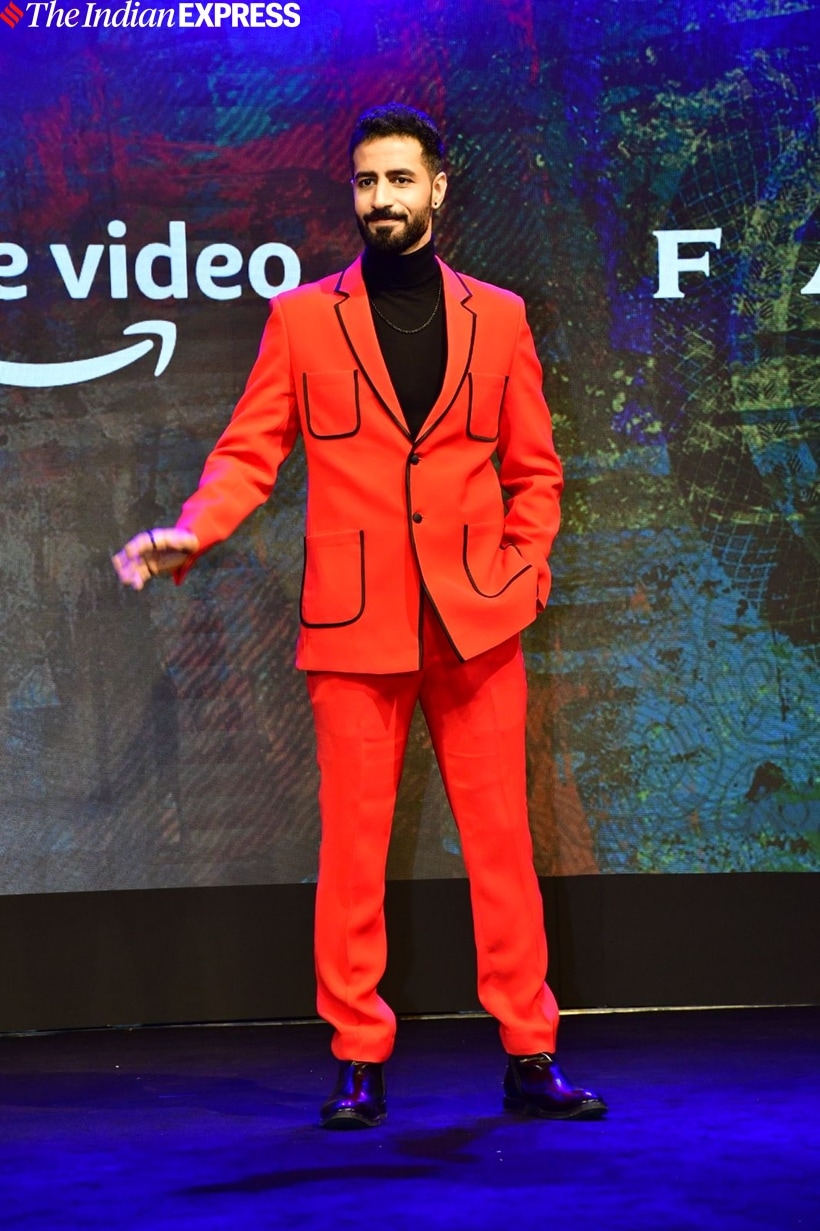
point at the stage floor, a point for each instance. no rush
(714, 1124)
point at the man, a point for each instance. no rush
(422, 565)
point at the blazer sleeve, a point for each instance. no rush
(241, 470)
(530, 471)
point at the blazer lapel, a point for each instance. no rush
(461, 321)
(356, 320)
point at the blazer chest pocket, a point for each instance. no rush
(332, 409)
(333, 579)
(485, 391)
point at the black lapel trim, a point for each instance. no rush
(401, 426)
(429, 426)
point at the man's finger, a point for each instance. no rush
(128, 571)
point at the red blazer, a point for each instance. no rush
(387, 516)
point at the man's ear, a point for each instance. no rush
(439, 187)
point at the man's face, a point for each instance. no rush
(394, 194)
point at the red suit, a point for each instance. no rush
(422, 564)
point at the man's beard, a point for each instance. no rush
(397, 239)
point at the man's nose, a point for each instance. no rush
(382, 194)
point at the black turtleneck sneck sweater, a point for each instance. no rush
(403, 292)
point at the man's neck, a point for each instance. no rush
(392, 271)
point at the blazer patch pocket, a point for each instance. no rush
(333, 579)
(491, 567)
(485, 391)
(332, 409)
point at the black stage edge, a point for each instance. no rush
(244, 952)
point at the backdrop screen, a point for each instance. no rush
(647, 175)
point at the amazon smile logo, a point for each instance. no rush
(78, 371)
(158, 271)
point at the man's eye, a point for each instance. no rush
(364, 182)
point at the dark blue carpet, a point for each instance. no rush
(714, 1125)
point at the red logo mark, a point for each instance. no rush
(11, 14)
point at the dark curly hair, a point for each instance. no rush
(399, 120)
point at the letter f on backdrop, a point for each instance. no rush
(671, 264)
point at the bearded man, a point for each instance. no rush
(433, 501)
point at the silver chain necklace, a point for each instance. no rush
(398, 328)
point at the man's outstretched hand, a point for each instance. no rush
(152, 553)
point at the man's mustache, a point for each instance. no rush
(383, 215)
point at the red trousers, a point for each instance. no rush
(476, 713)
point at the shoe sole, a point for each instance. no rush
(585, 1111)
(345, 1120)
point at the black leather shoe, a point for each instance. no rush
(535, 1086)
(358, 1100)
